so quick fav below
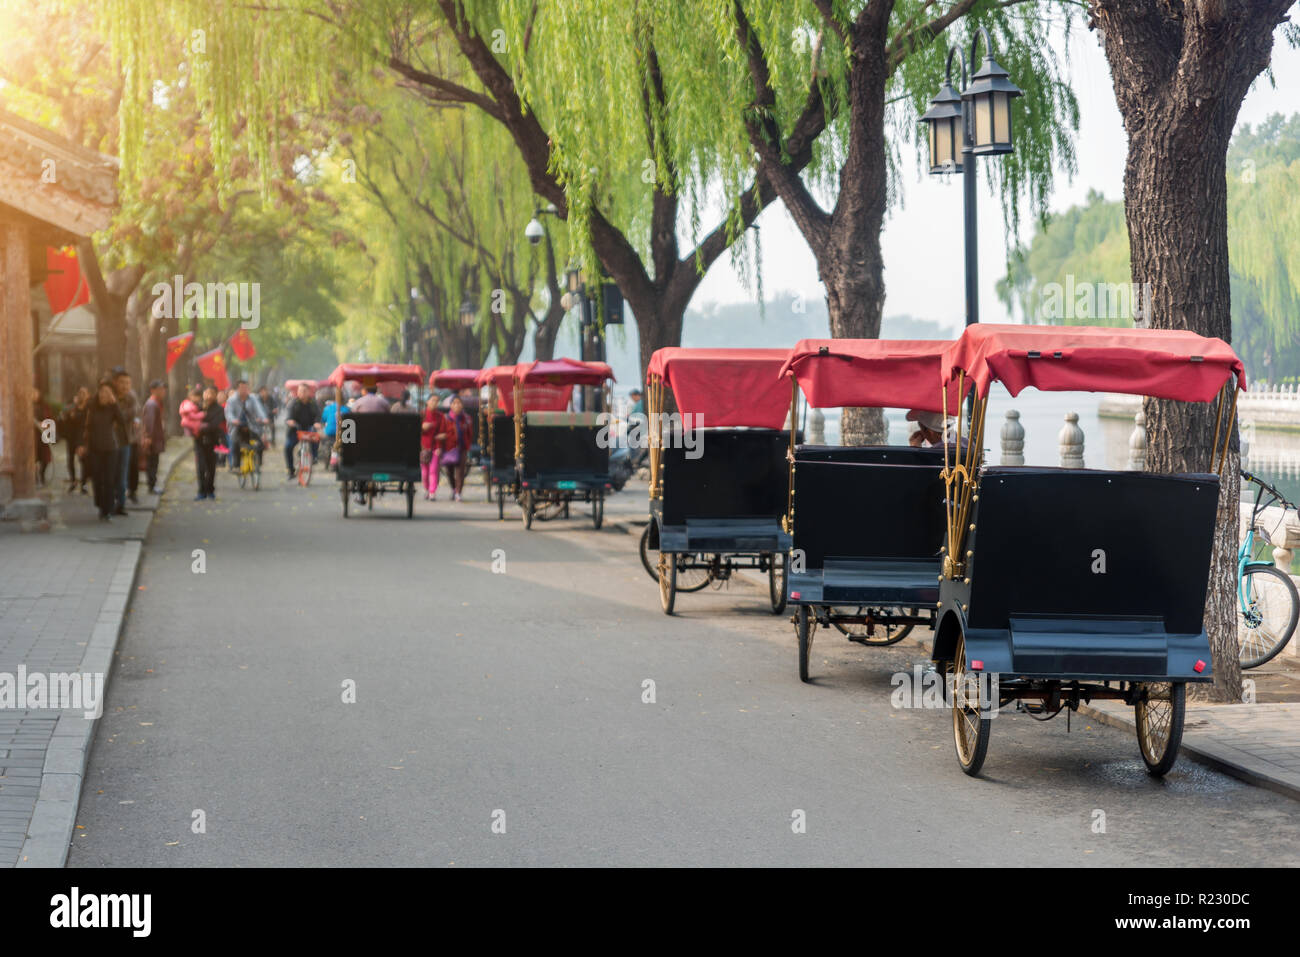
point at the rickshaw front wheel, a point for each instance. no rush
(526, 503)
(650, 567)
(1159, 715)
(667, 581)
(804, 626)
(598, 511)
(970, 722)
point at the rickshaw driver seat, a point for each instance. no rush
(1116, 596)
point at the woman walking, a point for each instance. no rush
(433, 430)
(458, 436)
(105, 434)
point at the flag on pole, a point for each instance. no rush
(242, 343)
(176, 347)
(213, 365)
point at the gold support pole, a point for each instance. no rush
(1227, 436)
(794, 420)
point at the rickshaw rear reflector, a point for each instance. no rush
(977, 665)
(795, 595)
(1199, 666)
(525, 485)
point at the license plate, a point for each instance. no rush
(566, 484)
(380, 476)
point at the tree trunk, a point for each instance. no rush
(1179, 78)
(547, 330)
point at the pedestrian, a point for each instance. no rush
(301, 417)
(41, 413)
(433, 430)
(457, 439)
(153, 433)
(210, 430)
(73, 425)
(128, 456)
(102, 439)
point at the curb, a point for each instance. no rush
(1229, 760)
(54, 819)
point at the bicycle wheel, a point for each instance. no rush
(304, 464)
(650, 566)
(1267, 610)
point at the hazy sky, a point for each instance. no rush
(926, 229)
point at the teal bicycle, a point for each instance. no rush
(1268, 604)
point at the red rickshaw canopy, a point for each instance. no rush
(1162, 363)
(871, 373)
(455, 378)
(727, 387)
(563, 372)
(377, 371)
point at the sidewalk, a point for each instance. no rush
(63, 596)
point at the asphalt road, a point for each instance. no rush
(515, 696)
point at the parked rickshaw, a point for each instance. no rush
(378, 451)
(561, 457)
(718, 476)
(497, 431)
(1069, 585)
(867, 521)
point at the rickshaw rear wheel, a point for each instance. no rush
(667, 581)
(501, 502)
(598, 510)
(343, 492)
(526, 504)
(410, 499)
(776, 582)
(804, 626)
(650, 567)
(970, 724)
(1159, 715)
(370, 498)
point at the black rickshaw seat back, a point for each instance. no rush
(728, 473)
(860, 510)
(379, 438)
(1084, 544)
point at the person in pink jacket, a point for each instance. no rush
(191, 410)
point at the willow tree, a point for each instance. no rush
(1180, 69)
(602, 124)
(455, 171)
(865, 70)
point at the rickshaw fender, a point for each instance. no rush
(946, 633)
(653, 541)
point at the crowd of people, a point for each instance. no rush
(111, 436)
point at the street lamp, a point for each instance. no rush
(976, 123)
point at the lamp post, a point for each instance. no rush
(976, 122)
(467, 315)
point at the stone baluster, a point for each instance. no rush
(1137, 444)
(1013, 439)
(1071, 442)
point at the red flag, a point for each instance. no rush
(242, 343)
(176, 346)
(64, 286)
(213, 365)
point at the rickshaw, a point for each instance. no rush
(718, 477)
(560, 456)
(867, 521)
(1064, 585)
(497, 434)
(378, 451)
